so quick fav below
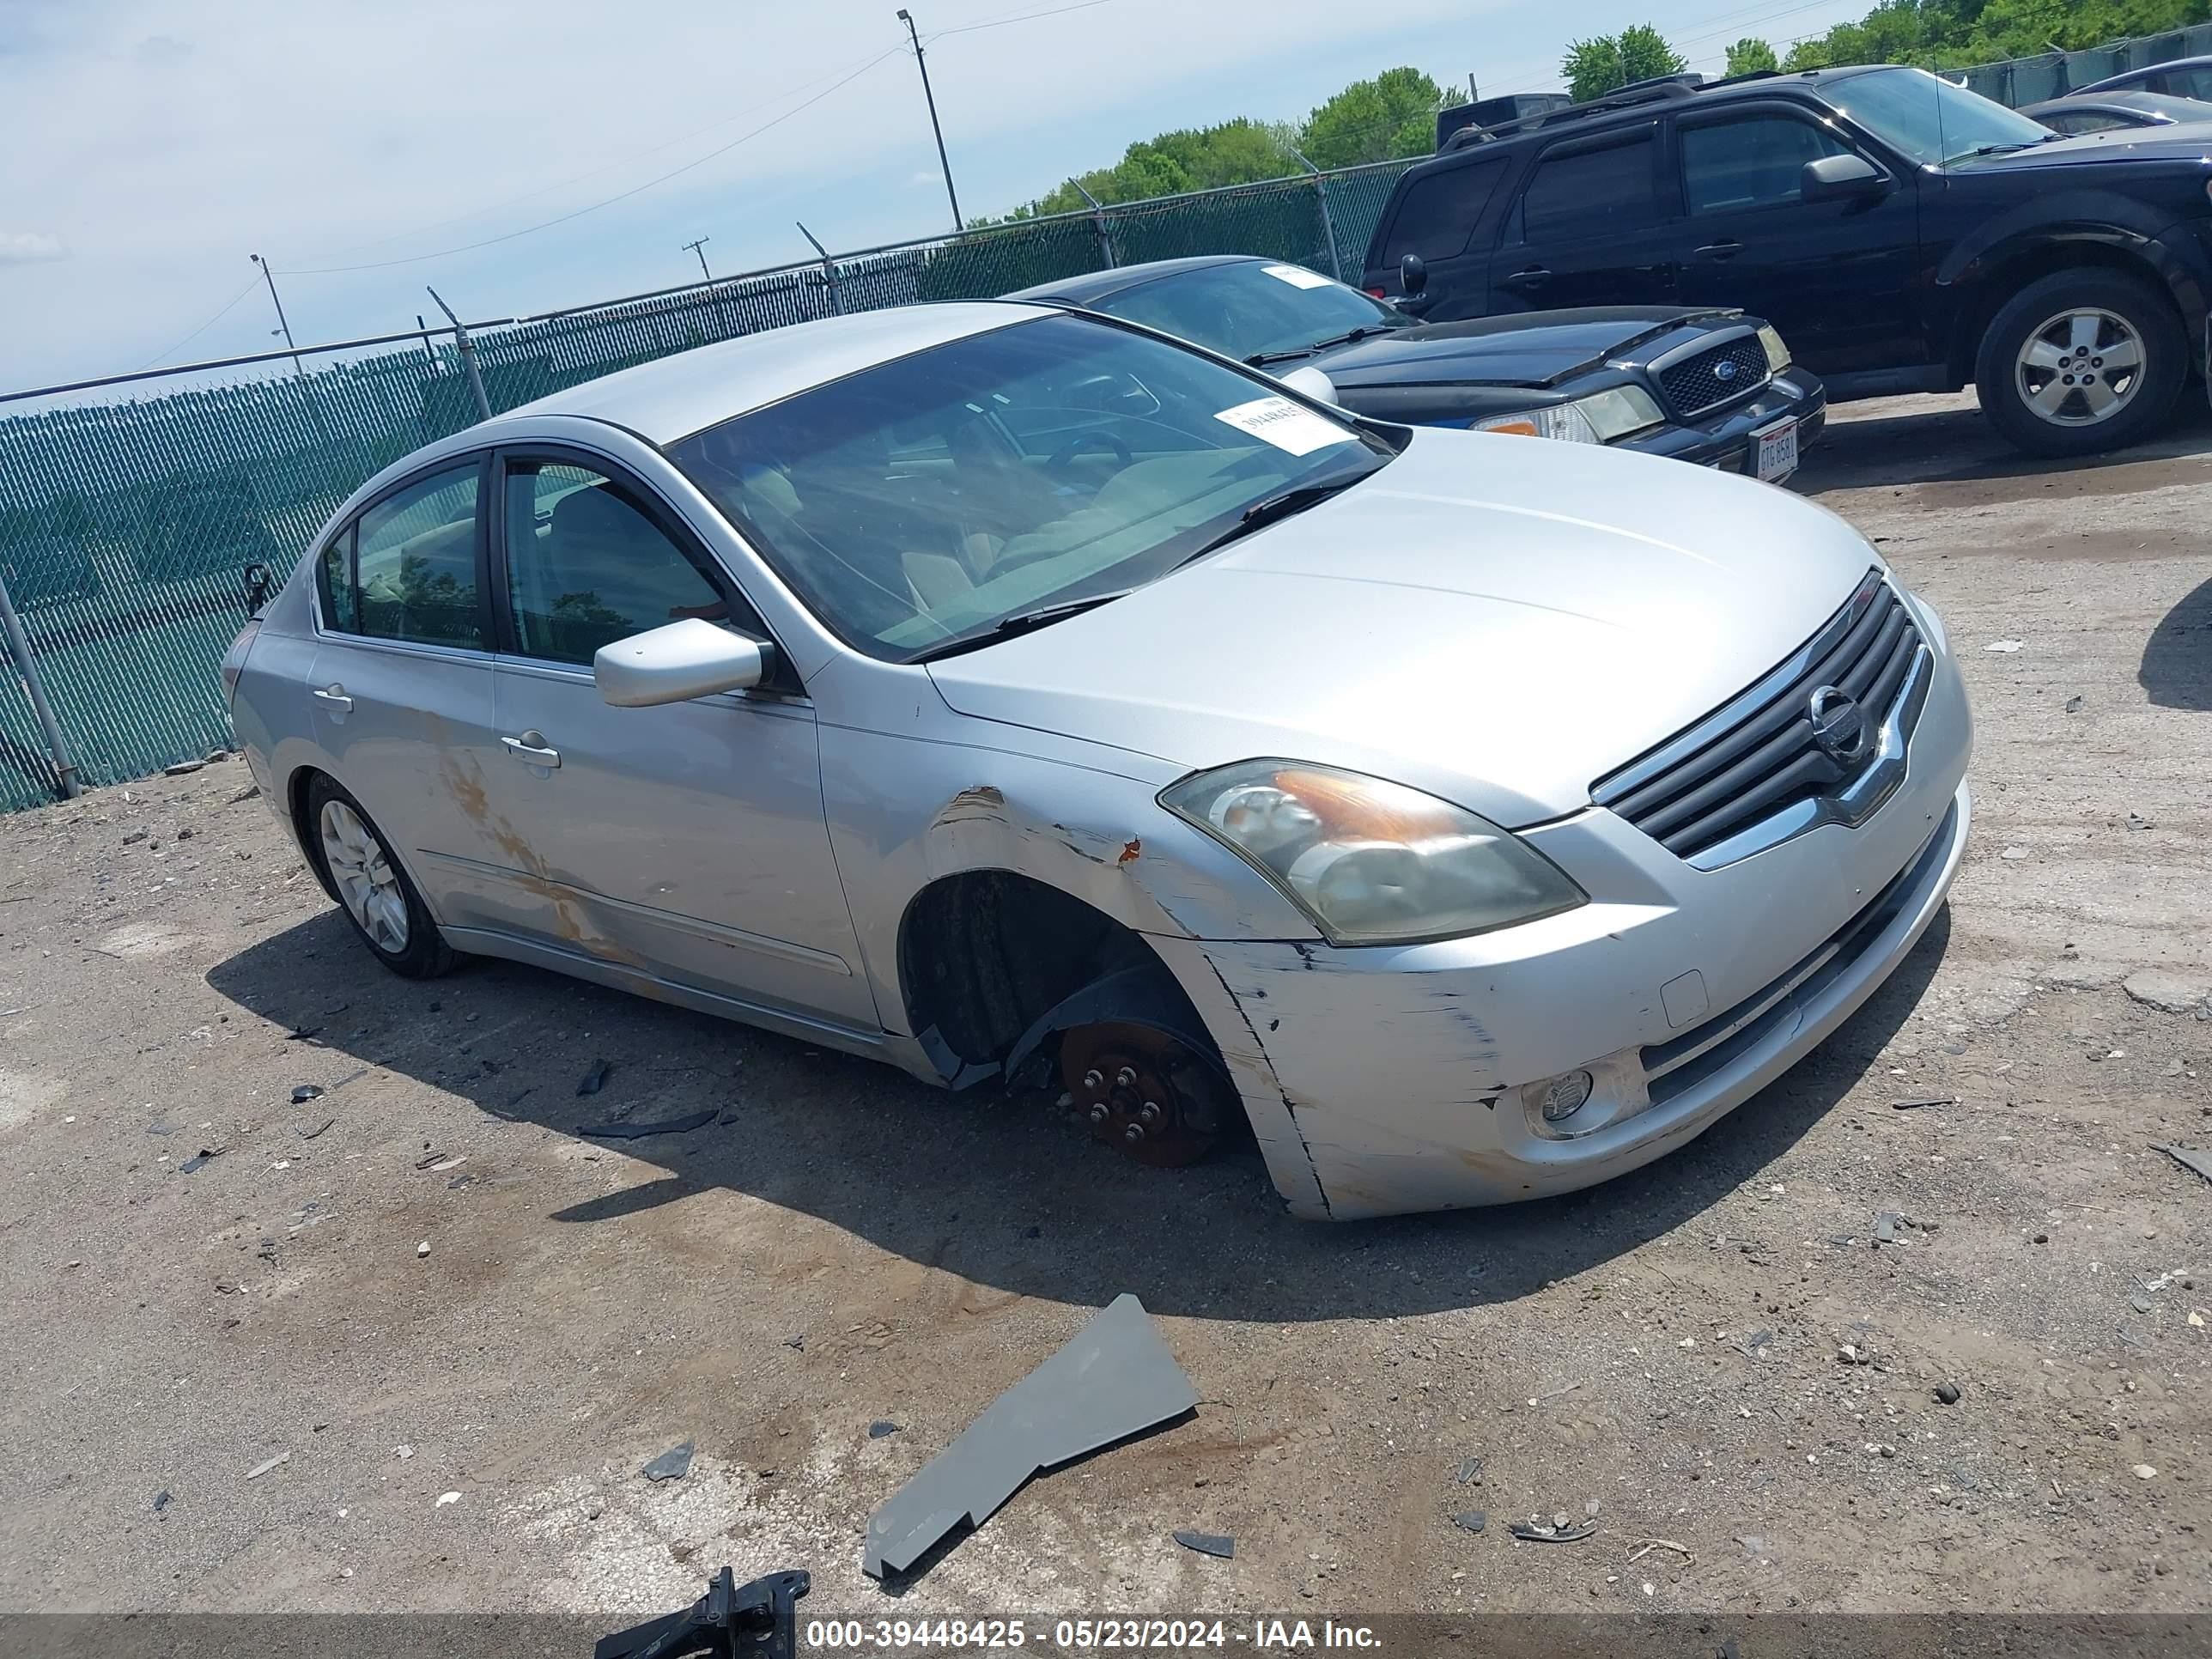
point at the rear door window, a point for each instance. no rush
(415, 562)
(1588, 192)
(1753, 162)
(2190, 83)
(1438, 215)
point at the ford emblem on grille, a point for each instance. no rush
(1839, 725)
(1724, 369)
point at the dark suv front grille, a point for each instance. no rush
(1757, 755)
(1718, 375)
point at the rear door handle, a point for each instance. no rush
(1720, 250)
(531, 748)
(1527, 276)
(335, 695)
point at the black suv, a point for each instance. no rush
(1903, 233)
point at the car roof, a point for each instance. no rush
(1096, 285)
(2126, 98)
(2135, 78)
(671, 397)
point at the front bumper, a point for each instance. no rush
(1725, 440)
(1683, 992)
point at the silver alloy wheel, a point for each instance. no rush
(367, 883)
(2081, 368)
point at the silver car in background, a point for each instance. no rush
(988, 689)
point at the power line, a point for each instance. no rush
(562, 219)
(623, 160)
(1022, 17)
(197, 333)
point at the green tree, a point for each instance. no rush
(1394, 114)
(1606, 63)
(1750, 55)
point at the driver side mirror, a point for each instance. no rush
(685, 660)
(1413, 275)
(1841, 179)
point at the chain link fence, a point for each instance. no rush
(2053, 74)
(130, 507)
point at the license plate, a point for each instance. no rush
(1776, 458)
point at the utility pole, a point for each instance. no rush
(922, 64)
(269, 276)
(694, 247)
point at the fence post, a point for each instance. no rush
(828, 270)
(26, 667)
(1099, 223)
(468, 351)
(1327, 225)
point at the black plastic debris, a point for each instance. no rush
(1471, 1520)
(305, 1092)
(205, 1156)
(1469, 1468)
(1115, 1380)
(755, 1620)
(880, 1427)
(305, 1133)
(1947, 1393)
(1885, 1227)
(672, 1465)
(2188, 1157)
(797, 1344)
(161, 1500)
(301, 1033)
(667, 1125)
(1208, 1543)
(1573, 1533)
(1914, 1105)
(594, 1079)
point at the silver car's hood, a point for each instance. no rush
(1497, 619)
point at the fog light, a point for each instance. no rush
(1563, 1097)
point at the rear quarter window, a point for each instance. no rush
(1438, 212)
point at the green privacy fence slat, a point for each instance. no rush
(2030, 80)
(124, 522)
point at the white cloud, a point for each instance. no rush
(27, 247)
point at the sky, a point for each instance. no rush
(368, 147)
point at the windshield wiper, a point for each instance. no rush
(1022, 621)
(1261, 515)
(1365, 331)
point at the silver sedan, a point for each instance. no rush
(997, 691)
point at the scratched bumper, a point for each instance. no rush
(1404, 1069)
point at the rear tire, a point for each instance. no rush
(2079, 362)
(376, 894)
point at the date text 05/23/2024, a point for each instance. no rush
(1259, 1635)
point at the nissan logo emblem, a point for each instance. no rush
(1839, 725)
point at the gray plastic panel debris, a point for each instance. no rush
(1114, 1379)
(2188, 1157)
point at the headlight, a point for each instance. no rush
(1597, 419)
(1778, 354)
(1372, 862)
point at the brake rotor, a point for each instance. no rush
(1144, 1093)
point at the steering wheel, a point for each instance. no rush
(1065, 456)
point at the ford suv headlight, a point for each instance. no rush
(1778, 354)
(1372, 862)
(1598, 418)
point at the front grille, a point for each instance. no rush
(1758, 756)
(1714, 377)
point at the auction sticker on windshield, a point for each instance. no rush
(1295, 276)
(1285, 424)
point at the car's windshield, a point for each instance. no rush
(1928, 119)
(1247, 309)
(935, 497)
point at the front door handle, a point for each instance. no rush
(1527, 276)
(1727, 250)
(335, 695)
(531, 748)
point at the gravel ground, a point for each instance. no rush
(464, 1329)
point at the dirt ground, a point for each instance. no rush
(464, 1329)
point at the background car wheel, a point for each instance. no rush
(373, 891)
(2079, 362)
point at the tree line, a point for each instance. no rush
(1394, 114)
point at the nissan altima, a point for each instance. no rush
(1002, 691)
